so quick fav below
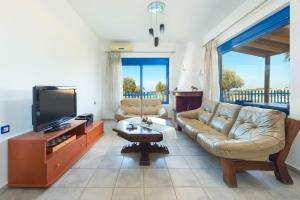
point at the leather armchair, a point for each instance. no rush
(132, 108)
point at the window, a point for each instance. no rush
(146, 77)
(254, 66)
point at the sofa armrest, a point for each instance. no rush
(163, 113)
(119, 115)
(192, 114)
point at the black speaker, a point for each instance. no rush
(89, 117)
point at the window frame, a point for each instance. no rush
(269, 24)
(149, 61)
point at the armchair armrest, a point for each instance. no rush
(163, 113)
(192, 114)
(119, 115)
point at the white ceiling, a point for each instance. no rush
(128, 20)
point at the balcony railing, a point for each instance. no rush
(146, 95)
(256, 96)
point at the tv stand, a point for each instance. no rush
(36, 159)
(58, 127)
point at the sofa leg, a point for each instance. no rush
(281, 172)
(229, 171)
(179, 128)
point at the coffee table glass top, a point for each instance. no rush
(159, 125)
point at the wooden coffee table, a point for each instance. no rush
(144, 140)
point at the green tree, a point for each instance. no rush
(230, 79)
(129, 85)
(137, 89)
(160, 87)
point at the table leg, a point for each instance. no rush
(145, 148)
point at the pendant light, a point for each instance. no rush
(157, 27)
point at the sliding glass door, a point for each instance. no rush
(146, 77)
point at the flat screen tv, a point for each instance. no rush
(52, 106)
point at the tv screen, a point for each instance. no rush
(52, 106)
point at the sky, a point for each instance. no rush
(251, 69)
(152, 74)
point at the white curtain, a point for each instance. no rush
(211, 87)
(112, 85)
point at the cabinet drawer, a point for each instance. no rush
(93, 135)
(63, 159)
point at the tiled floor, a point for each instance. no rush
(188, 173)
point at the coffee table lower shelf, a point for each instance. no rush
(145, 148)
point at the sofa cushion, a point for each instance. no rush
(253, 122)
(151, 110)
(207, 111)
(224, 117)
(208, 138)
(193, 127)
(131, 106)
(258, 149)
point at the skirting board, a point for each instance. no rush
(3, 188)
(293, 168)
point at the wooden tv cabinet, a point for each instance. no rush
(31, 164)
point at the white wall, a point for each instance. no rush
(294, 158)
(268, 8)
(192, 68)
(43, 43)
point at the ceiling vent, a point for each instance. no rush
(121, 46)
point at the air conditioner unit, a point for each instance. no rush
(121, 47)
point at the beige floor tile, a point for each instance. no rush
(254, 193)
(111, 162)
(176, 162)
(100, 151)
(191, 193)
(175, 151)
(291, 192)
(219, 193)
(198, 162)
(97, 194)
(89, 161)
(114, 151)
(157, 161)
(215, 162)
(105, 141)
(34, 194)
(251, 179)
(130, 178)
(192, 151)
(183, 178)
(210, 177)
(76, 178)
(104, 178)
(120, 142)
(65, 194)
(160, 194)
(157, 178)
(128, 194)
(11, 193)
(131, 161)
